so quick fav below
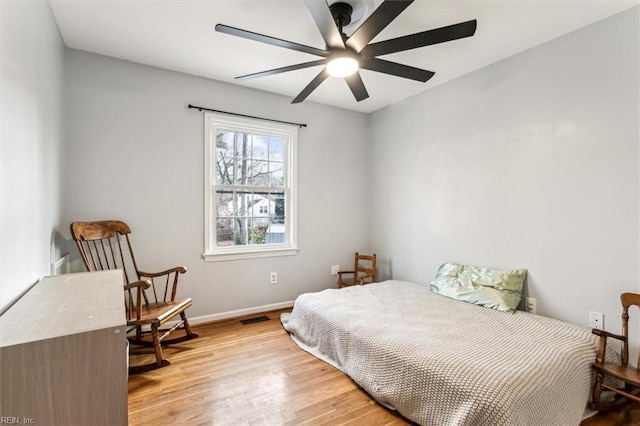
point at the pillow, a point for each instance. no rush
(500, 290)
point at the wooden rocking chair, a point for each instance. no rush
(361, 273)
(150, 298)
(623, 372)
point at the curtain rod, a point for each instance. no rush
(244, 115)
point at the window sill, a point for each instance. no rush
(248, 254)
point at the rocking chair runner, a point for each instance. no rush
(150, 298)
(623, 372)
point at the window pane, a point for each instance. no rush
(276, 174)
(224, 171)
(259, 172)
(260, 147)
(275, 234)
(240, 230)
(236, 171)
(224, 205)
(261, 208)
(278, 216)
(224, 144)
(276, 149)
(242, 200)
(242, 151)
(256, 234)
(224, 232)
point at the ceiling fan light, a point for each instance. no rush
(342, 66)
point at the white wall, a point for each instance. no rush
(136, 154)
(531, 162)
(32, 156)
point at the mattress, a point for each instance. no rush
(440, 361)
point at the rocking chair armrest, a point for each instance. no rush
(605, 334)
(346, 272)
(135, 302)
(170, 276)
(142, 284)
(179, 269)
(602, 343)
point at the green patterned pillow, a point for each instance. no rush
(500, 290)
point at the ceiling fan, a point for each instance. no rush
(345, 55)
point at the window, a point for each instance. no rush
(250, 197)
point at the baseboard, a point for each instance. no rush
(240, 312)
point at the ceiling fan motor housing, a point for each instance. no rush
(341, 13)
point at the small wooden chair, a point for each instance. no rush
(623, 372)
(361, 274)
(150, 297)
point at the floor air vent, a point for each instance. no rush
(255, 319)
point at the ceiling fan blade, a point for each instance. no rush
(324, 21)
(396, 69)
(311, 86)
(270, 40)
(376, 22)
(357, 86)
(281, 70)
(425, 38)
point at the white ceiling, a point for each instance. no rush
(179, 35)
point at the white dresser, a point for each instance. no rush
(63, 352)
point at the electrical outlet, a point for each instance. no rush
(531, 305)
(596, 320)
(335, 269)
(274, 278)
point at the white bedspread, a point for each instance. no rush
(440, 361)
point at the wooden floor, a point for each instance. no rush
(254, 374)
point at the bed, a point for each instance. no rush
(441, 361)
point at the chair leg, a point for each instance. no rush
(156, 345)
(619, 397)
(596, 392)
(139, 332)
(159, 362)
(186, 326)
(187, 330)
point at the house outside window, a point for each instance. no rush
(250, 197)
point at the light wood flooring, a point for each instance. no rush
(254, 374)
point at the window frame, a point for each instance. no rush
(289, 133)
